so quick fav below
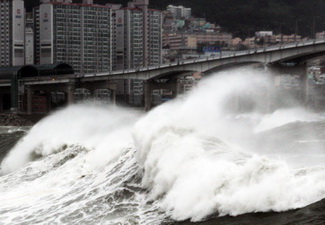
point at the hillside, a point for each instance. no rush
(243, 17)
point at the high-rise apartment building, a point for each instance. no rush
(138, 36)
(29, 39)
(29, 46)
(77, 34)
(12, 32)
(138, 44)
(154, 37)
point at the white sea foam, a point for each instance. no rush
(194, 165)
(91, 126)
(184, 158)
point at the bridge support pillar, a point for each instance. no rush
(29, 99)
(112, 86)
(147, 96)
(113, 97)
(49, 102)
(1, 102)
(176, 88)
(70, 93)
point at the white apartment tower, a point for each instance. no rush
(29, 46)
(29, 39)
(77, 34)
(138, 44)
(138, 36)
(12, 32)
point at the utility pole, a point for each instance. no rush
(314, 27)
(296, 31)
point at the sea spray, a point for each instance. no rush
(92, 126)
(284, 116)
(192, 179)
(85, 171)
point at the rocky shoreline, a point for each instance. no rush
(12, 119)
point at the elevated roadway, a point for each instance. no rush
(272, 55)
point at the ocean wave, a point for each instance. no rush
(187, 159)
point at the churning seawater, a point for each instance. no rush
(213, 153)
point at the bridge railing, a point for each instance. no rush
(223, 55)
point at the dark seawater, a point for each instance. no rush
(8, 140)
(310, 215)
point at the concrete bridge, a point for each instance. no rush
(295, 52)
(165, 76)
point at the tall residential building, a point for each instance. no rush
(77, 34)
(138, 44)
(29, 39)
(12, 32)
(138, 36)
(29, 46)
(154, 37)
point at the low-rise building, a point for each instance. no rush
(179, 12)
(177, 41)
(217, 38)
